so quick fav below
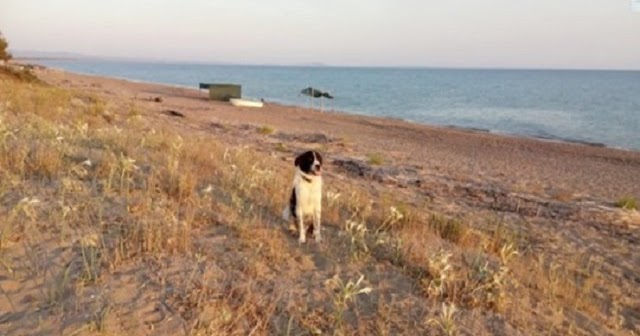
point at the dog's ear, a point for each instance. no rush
(319, 157)
(298, 160)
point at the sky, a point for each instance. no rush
(585, 34)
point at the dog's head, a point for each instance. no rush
(310, 163)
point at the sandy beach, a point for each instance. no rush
(146, 209)
(474, 168)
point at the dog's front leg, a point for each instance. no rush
(301, 229)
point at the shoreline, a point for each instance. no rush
(514, 162)
(543, 138)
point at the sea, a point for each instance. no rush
(594, 107)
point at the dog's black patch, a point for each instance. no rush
(306, 162)
(292, 208)
(292, 203)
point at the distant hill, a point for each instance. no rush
(314, 64)
(63, 55)
(34, 54)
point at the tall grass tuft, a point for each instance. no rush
(627, 203)
(450, 229)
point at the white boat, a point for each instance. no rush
(245, 103)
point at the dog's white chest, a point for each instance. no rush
(309, 196)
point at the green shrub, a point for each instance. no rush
(266, 130)
(375, 159)
(4, 45)
(627, 203)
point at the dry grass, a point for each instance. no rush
(448, 228)
(100, 204)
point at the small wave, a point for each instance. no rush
(548, 136)
(469, 128)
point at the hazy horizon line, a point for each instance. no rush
(75, 56)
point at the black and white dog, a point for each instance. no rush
(306, 196)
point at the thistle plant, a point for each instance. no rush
(489, 284)
(127, 166)
(439, 270)
(357, 231)
(344, 293)
(507, 252)
(393, 218)
(446, 320)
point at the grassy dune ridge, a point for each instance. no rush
(114, 223)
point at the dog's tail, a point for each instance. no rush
(286, 213)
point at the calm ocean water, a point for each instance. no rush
(573, 105)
